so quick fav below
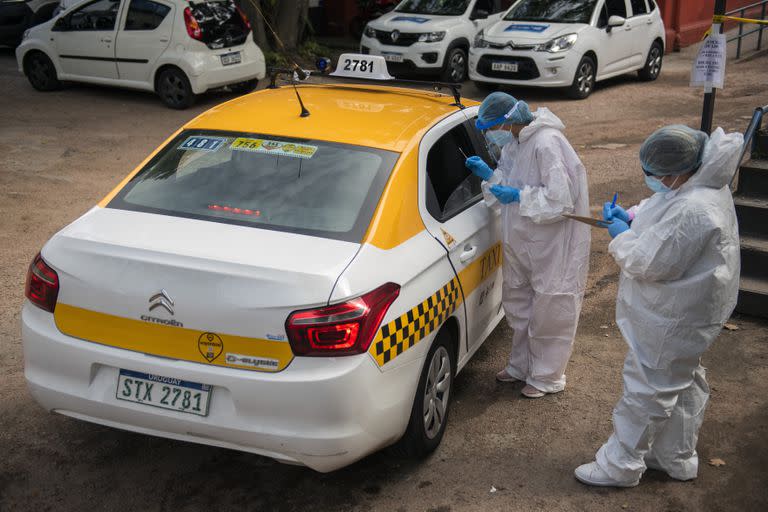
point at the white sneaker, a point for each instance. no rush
(503, 376)
(592, 474)
(532, 392)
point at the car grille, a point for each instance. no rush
(511, 46)
(526, 67)
(402, 39)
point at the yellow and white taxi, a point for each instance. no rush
(300, 287)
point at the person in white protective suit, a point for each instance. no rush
(539, 177)
(678, 252)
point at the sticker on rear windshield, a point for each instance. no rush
(274, 147)
(198, 143)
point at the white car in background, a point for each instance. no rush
(429, 36)
(175, 48)
(569, 43)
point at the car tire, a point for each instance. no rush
(584, 79)
(41, 72)
(174, 89)
(455, 65)
(244, 87)
(426, 425)
(652, 68)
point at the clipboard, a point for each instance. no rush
(589, 220)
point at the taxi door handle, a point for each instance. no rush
(106, 39)
(468, 254)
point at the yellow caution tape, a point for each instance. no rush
(722, 19)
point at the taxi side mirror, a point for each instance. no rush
(479, 14)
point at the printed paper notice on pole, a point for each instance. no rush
(709, 67)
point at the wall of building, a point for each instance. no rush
(686, 21)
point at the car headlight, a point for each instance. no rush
(558, 44)
(25, 35)
(479, 41)
(431, 37)
(370, 31)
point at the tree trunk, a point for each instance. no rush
(290, 21)
(252, 8)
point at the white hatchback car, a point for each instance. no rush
(569, 43)
(175, 48)
(429, 37)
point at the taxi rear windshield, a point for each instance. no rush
(296, 185)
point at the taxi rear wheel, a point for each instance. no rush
(174, 89)
(429, 415)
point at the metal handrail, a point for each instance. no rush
(741, 12)
(749, 136)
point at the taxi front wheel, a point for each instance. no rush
(429, 415)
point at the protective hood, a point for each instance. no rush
(542, 118)
(721, 157)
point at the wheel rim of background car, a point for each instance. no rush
(39, 71)
(174, 89)
(457, 65)
(655, 61)
(585, 77)
(437, 390)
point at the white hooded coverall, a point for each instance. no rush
(679, 282)
(546, 256)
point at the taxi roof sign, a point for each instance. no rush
(368, 67)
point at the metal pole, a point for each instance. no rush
(760, 34)
(709, 95)
(741, 34)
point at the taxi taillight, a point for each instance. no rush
(193, 27)
(244, 18)
(42, 286)
(341, 329)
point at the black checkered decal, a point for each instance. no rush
(407, 330)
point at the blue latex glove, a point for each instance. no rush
(616, 227)
(506, 195)
(479, 167)
(615, 212)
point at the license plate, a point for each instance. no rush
(230, 58)
(393, 57)
(164, 392)
(510, 67)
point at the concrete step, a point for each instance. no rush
(761, 145)
(754, 257)
(752, 213)
(753, 297)
(753, 178)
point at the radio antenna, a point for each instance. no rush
(304, 111)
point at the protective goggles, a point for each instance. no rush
(482, 126)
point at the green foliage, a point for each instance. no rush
(312, 49)
(275, 59)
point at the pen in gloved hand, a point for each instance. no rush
(463, 153)
(615, 197)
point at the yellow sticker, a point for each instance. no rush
(274, 147)
(449, 240)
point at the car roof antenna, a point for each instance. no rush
(304, 111)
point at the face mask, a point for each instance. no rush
(657, 186)
(499, 137)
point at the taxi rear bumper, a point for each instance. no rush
(324, 413)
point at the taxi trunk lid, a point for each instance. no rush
(187, 289)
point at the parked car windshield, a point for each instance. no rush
(441, 7)
(296, 185)
(554, 11)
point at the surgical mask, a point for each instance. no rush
(499, 137)
(657, 186)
